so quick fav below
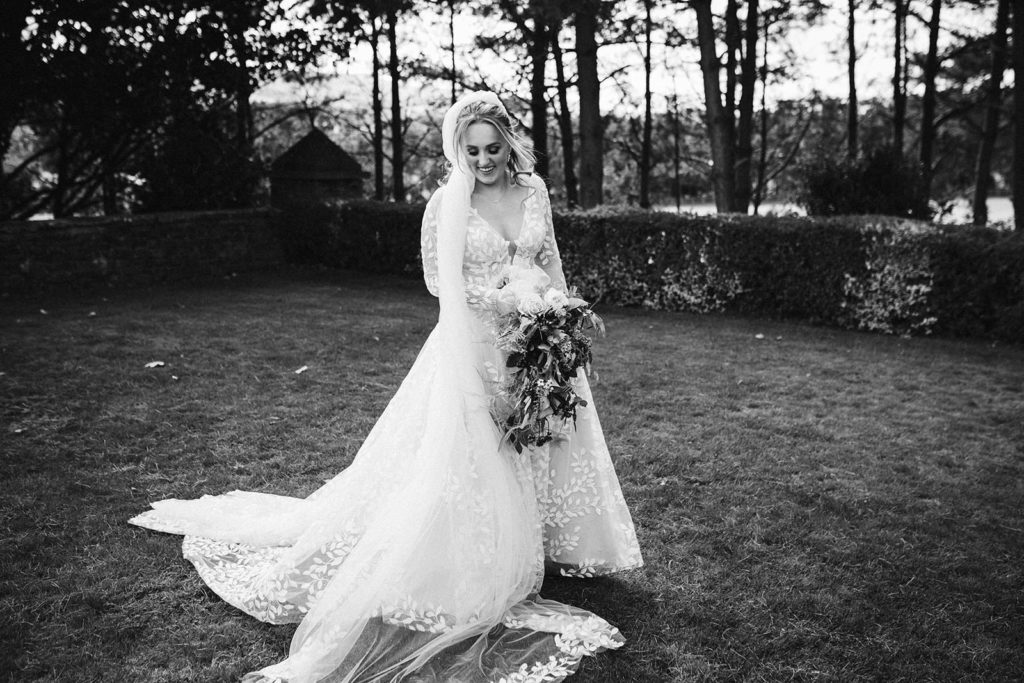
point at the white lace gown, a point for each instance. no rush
(422, 560)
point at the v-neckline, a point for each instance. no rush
(496, 232)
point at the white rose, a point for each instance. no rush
(504, 301)
(556, 299)
(517, 290)
(523, 280)
(531, 304)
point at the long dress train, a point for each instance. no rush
(422, 560)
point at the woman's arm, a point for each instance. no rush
(428, 241)
(477, 296)
(547, 258)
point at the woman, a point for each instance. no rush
(422, 560)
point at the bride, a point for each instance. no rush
(422, 561)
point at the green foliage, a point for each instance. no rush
(978, 282)
(877, 273)
(363, 235)
(708, 263)
(195, 165)
(880, 182)
(119, 95)
(892, 294)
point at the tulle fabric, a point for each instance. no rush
(421, 561)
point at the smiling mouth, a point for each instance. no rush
(485, 170)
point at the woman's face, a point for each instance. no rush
(486, 151)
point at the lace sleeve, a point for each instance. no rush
(428, 242)
(547, 258)
(477, 296)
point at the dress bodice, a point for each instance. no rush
(488, 254)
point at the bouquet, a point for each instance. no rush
(542, 330)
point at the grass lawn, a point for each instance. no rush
(812, 505)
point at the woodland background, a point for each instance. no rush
(814, 503)
(117, 106)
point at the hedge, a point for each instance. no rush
(885, 274)
(361, 235)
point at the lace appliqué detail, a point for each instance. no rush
(257, 581)
(408, 613)
(576, 637)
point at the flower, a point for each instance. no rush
(524, 280)
(556, 299)
(531, 304)
(545, 345)
(504, 301)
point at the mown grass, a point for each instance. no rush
(813, 505)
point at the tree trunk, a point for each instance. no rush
(762, 161)
(243, 82)
(589, 88)
(108, 185)
(851, 73)
(565, 125)
(676, 153)
(538, 89)
(397, 162)
(931, 70)
(378, 115)
(61, 186)
(1018, 117)
(745, 125)
(732, 46)
(993, 100)
(645, 147)
(899, 94)
(718, 119)
(451, 35)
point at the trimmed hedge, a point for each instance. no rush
(885, 274)
(377, 237)
(132, 250)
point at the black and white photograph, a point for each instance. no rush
(511, 341)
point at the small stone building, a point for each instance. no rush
(314, 170)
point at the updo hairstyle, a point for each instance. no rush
(520, 158)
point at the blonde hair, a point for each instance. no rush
(521, 159)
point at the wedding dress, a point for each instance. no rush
(423, 559)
